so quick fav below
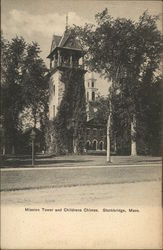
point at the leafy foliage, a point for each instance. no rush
(128, 54)
(12, 103)
(34, 79)
(72, 108)
(23, 86)
(101, 109)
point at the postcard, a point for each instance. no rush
(81, 130)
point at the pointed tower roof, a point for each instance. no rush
(66, 41)
(64, 38)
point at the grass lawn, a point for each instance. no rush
(78, 160)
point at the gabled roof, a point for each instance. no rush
(68, 41)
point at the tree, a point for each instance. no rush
(124, 52)
(35, 83)
(24, 87)
(12, 60)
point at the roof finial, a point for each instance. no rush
(67, 21)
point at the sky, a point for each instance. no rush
(38, 20)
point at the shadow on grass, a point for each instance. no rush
(27, 162)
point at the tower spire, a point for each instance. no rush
(67, 21)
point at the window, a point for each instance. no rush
(88, 84)
(94, 145)
(88, 145)
(101, 145)
(93, 84)
(93, 96)
(54, 89)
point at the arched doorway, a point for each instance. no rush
(101, 145)
(94, 145)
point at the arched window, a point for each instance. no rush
(94, 145)
(93, 96)
(101, 145)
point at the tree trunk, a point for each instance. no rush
(75, 145)
(34, 116)
(133, 137)
(108, 139)
(33, 152)
(3, 150)
(115, 144)
(35, 121)
(75, 142)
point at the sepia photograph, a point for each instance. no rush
(81, 124)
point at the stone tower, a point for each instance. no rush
(66, 52)
(91, 94)
(91, 90)
(66, 55)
